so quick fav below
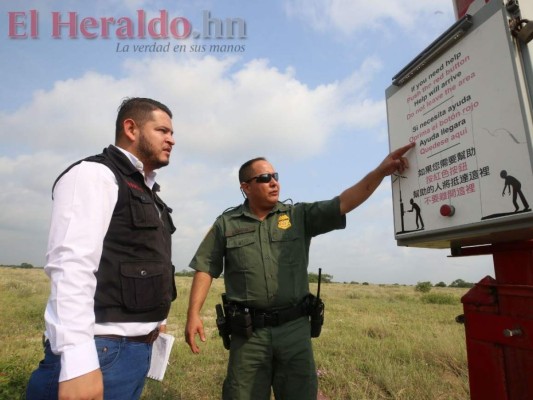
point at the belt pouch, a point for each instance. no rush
(241, 324)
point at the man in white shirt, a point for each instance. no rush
(109, 262)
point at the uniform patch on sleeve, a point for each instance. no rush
(284, 222)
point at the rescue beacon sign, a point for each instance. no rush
(462, 101)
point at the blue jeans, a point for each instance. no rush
(124, 367)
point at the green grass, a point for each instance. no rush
(378, 342)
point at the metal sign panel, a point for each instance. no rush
(470, 179)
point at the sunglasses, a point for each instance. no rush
(264, 178)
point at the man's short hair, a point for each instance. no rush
(138, 109)
(246, 169)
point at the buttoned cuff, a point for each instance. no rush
(78, 361)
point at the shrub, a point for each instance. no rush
(423, 287)
(459, 283)
(439, 298)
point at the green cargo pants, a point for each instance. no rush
(279, 357)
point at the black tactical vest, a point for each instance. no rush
(135, 278)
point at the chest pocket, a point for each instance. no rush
(287, 246)
(143, 211)
(240, 250)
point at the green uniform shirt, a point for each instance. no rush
(265, 262)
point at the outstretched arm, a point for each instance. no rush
(358, 193)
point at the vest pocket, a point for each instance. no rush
(143, 210)
(143, 284)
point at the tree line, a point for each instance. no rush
(313, 278)
(22, 265)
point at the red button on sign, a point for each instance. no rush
(447, 210)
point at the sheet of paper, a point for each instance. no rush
(160, 354)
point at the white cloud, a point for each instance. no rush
(219, 110)
(74, 115)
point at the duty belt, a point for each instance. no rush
(264, 318)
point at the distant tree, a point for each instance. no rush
(365, 283)
(313, 278)
(459, 283)
(26, 265)
(423, 287)
(440, 284)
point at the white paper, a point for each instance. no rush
(160, 354)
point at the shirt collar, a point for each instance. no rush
(149, 179)
(245, 209)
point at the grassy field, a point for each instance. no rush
(378, 342)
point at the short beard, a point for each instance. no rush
(148, 155)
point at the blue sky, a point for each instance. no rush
(307, 91)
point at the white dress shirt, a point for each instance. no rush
(84, 200)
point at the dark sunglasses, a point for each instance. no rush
(264, 178)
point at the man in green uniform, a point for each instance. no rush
(262, 247)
